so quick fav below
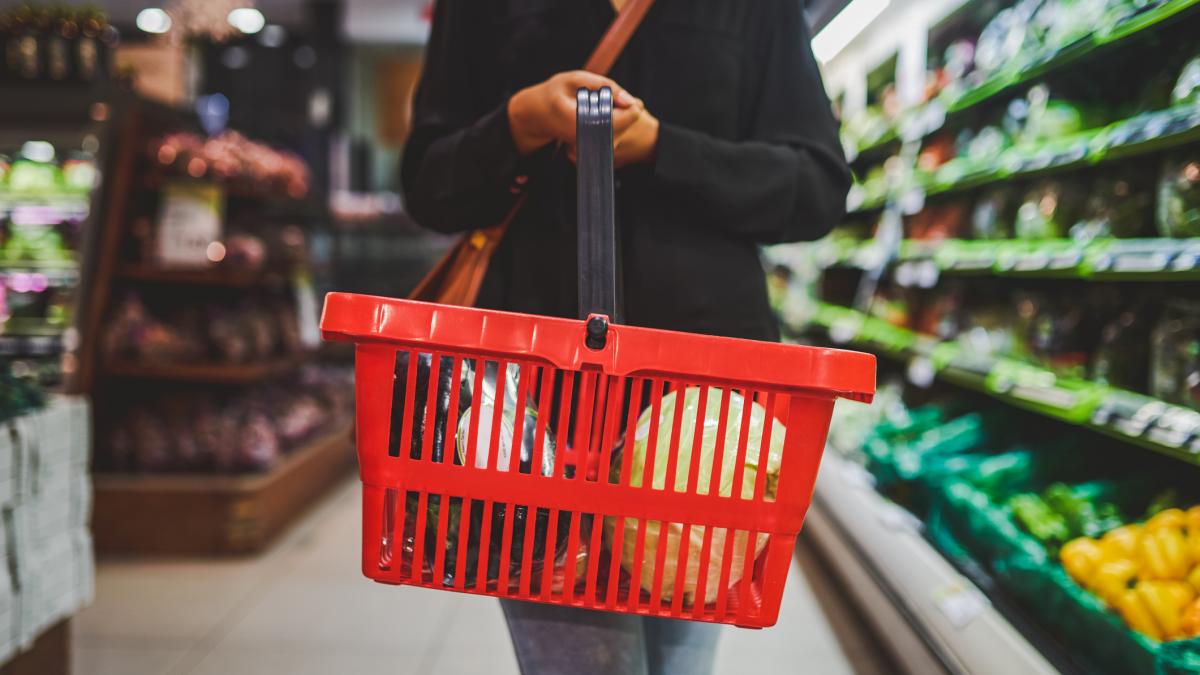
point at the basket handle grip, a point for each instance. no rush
(596, 218)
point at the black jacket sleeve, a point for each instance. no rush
(460, 161)
(787, 179)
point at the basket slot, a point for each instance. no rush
(681, 571)
(464, 533)
(450, 428)
(656, 388)
(638, 392)
(697, 443)
(418, 555)
(549, 555)
(429, 427)
(639, 552)
(739, 467)
(564, 419)
(726, 561)
(617, 527)
(719, 449)
(443, 525)
(403, 404)
(702, 575)
(660, 559)
(764, 452)
(506, 541)
(671, 478)
(573, 538)
(545, 398)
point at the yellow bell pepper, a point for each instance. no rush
(1190, 622)
(1194, 578)
(1193, 533)
(1112, 579)
(1163, 554)
(1080, 557)
(1136, 615)
(1168, 518)
(1121, 542)
(1166, 600)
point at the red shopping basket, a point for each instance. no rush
(523, 457)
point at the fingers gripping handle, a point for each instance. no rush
(597, 228)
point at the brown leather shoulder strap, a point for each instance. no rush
(617, 36)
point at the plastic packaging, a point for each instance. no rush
(1048, 210)
(1179, 196)
(1175, 355)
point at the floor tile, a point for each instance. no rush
(110, 660)
(311, 661)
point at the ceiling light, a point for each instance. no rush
(153, 20)
(846, 26)
(247, 19)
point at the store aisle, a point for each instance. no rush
(303, 609)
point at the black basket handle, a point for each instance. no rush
(597, 226)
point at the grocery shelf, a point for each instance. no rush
(52, 274)
(1088, 46)
(1138, 419)
(871, 540)
(211, 276)
(1149, 259)
(205, 514)
(933, 116)
(210, 373)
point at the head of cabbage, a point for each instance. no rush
(638, 447)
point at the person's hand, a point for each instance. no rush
(638, 142)
(545, 113)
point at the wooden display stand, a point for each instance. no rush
(190, 514)
(49, 655)
(186, 514)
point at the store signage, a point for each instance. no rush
(189, 222)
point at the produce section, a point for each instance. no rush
(1020, 249)
(199, 343)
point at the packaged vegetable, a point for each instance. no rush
(1118, 204)
(1175, 355)
(1179, 196)
(1048, 210)
(724, 486)
(1187, 88)
(994, 214)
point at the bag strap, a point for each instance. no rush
(619, 32)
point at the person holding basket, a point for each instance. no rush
(723, 140)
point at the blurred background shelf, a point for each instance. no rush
(180, 514)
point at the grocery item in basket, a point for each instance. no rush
(1179, 197)
(711, 421)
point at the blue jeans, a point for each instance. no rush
(550, 639)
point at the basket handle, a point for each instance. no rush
(596, 221)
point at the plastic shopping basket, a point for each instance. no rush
(523, 457)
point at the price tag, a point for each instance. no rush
(1141, 262)
(189, 222)
(960, 603)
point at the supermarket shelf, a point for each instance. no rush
(1141, 420)
(1092, 45)
(234, 189)
(198, 514)
(1152, 259)
(869, 539)
(211, 373)
(1139, 135)
(934, 115)
(213, 276)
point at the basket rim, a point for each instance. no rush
(630, 350)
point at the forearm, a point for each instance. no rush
(463, 179)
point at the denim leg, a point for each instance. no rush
(676, 647)
(550, 639)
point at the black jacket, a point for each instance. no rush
(748, 153)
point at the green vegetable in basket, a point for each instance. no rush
(1039, 519)
(639, 457)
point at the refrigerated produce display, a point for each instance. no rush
(1022, 250)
